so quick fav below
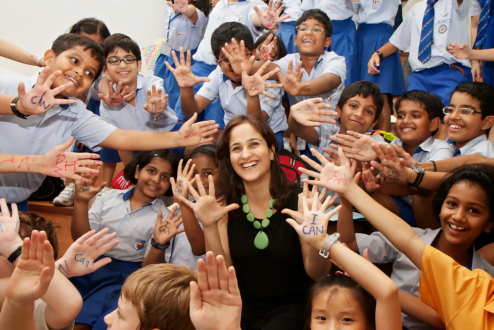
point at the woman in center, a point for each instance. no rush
(243, 222)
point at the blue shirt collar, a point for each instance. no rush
(127, 195)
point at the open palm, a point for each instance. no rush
(182, 73)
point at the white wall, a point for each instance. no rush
(35, 24)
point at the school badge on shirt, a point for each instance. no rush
(139, 244)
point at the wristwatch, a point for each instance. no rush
(324, 251)
(381, 56)
(14, 109)
(420, 175)
(159, 246)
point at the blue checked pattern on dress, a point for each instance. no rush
(425, 45)
(485, 15)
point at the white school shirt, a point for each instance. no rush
(475, 8)
(39, 133)
(40, 316)
(328, 62)
(223, 12)
(292, 8)
(134, 228)
(430, 149)
(234, 101)
(181, 32)
(405, 275)
(377, 11)
(450, 25)
(326, 130)
(335, 9)
(129, 117)
(481, 145)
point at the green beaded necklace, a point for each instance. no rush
(261, 241)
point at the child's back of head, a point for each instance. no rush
(160, 294)
(228, 31)
(337, 297)
(92, 28)
(29, 221)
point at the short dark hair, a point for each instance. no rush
(224, 34)
(428, 101)
(479, 175)
(279, 43)
(144, 158)
(479, 91)
(71, 40)
(207, 150)
(91, 26)
(364, 89)
(318, 15)
(119, 40)
(29, 221)
(334, 282)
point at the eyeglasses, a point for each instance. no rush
(463, 111)
(227, 61)
(306, 28)
(116, 61)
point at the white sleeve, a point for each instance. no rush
(336, 66)
(269, 105)
(381, 251)
(201, 20)
(90, 129)
(307, 4)
(379, 138)
(463, 9)
(39, 314)
(95, 213)
(105, 114)
(153, 80)
(402, 37)
(442, 152)
(211, 89)
(282, 63)
(475, 8)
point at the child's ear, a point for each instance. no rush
(487, 122)
(338, 111)
(272, 153)
(489, 226)
(139, 66)
(137, 172)
(374, 124)
(435, 123)
(49, 57)
(327, 43)
(105, 70)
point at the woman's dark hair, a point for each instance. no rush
(479, 175)
(91, 26)
(202, 5)
(144, 158)
(208, 150)
(229, 185)
(333, 283)
(279, 43)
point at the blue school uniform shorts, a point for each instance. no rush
(406, 211)
(343, 42)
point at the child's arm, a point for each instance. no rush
(416, 308)
(56, 163)
(16, 53)
(186, 81)
(126, 156)
(476, 66)
(183, 7)
(39, 99)
(463, 52)
(164, 231)
(338, 179)
(306, 115)
(381, 287)
(345, 227)
(84, 191)
(29, 282)
(193, 230)
(387, 50)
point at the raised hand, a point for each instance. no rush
(292, 81)
(310, 196)
(215, 302)
(272, 17)
(118, 96)
(236, 55)
(314, 227)
(165, 230)
(197, 133)
(183, 74)
(370, 178)
(85, 191)
(267, 48)
(355, 145)
(476, 69)
(400, 152)
(61, 164)
(34, 270)
(333, 156)
(206, 208)
(179, 6)
(334, 178)
(179, 187)
(391, 167)
(459, 51)
(9, 229)
(256, 84)
(156, 100)
(312, 112)
(80, 256)
(41, 98)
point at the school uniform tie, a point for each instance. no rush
(485, 15)
(425, 45)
